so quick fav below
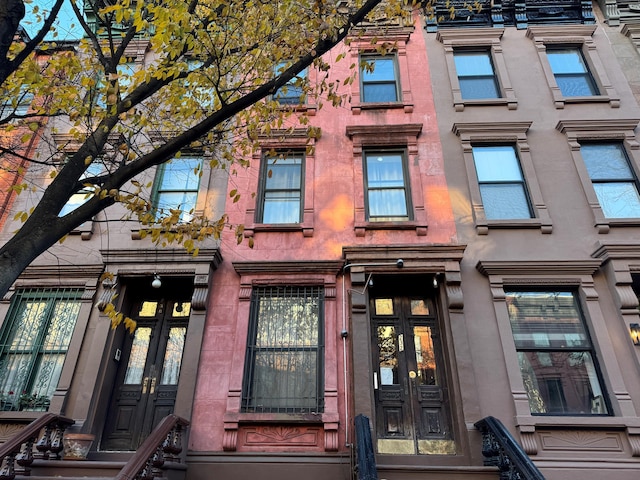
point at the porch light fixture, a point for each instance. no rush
(634, 331)
(156, 283)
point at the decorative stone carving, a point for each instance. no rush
(581, 440)
(281, 435)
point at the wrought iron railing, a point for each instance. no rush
(163, 445)
(45, 433)
(501, 450)
(366, 457)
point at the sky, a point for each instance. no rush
(66, 25)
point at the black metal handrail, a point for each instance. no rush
(366, 457)
(163, 445)
(501, 450)
(17, 455)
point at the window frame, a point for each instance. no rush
(576, 275)
(265, 292)
(521, 182)
(457, 53)
(296, 140)
(388, 137)
(406, 186)
(586, 74)
(478, 39)
(372, 58)
(580, 37)
(301, 98)
(603, 131)
(498, 133)
(588, 348)
(157, 191)
(264, 177)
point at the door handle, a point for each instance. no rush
(145, 383)
(153, 385)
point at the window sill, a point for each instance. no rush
(511, 103)
(356, 108)
(614, 102)
(482, 228)
(605, 225)
(85, 230)
(310, 110)
(250, 230)
(361, 227)
(280, 417)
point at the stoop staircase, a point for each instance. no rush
(35, 454)
(504, 458)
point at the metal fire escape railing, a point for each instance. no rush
(366, 457)
(501, 450)
(17, 453)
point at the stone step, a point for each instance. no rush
(414, 472)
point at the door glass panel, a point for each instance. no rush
(425, 356)
(181, 309)
(148, 309)
(388, 355)
(384, 306)
(173, 356)
(138, 356)
(419, 307)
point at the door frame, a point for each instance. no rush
(421, 264)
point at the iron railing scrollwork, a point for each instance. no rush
(163, 445)
(501, 450)
(45, 434)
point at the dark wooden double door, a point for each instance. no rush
(149, 369)
(411, 394)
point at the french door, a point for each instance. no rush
(148, 374)
(411, 395)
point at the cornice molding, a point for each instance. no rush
(288, 267)
(447, 35)
(530, 268)
(604, 125)
(535, 33)
(406, 129)
(462, 128)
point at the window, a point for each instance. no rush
(386, 186)
(476, 75)
(176, 187)
(84, 194)
(282, 189)
(502, 186)
(33, 345)
(293, 92)
(20, 104)
(379, 81)
(571, 72)
(555, 354)
(613, 179)
(284, 361)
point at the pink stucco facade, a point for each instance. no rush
(333, 219)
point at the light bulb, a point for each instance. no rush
(156, 283)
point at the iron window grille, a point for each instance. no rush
(285, 348)
(34, 341)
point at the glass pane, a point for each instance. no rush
(181, 174)
(576, 85)
(562, 382)
(280, 209)
(503, 201)
(148, 309)
(384, 306)
(61, 325)
(606, 161)
(473, 63)
(478, 88)
(283, 173)
(546, 320)
(284, 379)
(566, 61)
(185, 201)
(378, 70)
(618, 200)
(138, 356)
(387, 203)
(28, 325)
(496, 163)
(181, 309)
(419, 307)
(379, 92)
(425, 356)
(287, 322)
(173, 356)
(384, 170)
(388, 355)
